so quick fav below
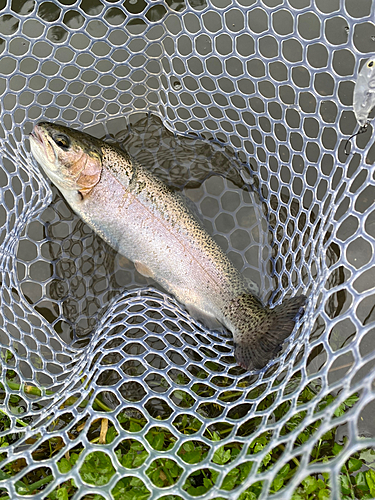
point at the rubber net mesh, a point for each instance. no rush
(100, 368)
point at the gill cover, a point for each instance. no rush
(71, 159)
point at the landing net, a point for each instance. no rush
(109, 388)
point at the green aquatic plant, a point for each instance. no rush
(357, 476)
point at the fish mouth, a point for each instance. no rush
(37, 135)
(40, 148)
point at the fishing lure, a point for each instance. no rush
(364, 92)
(363, 97)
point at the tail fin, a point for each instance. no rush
(262, 339)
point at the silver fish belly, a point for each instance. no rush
(153, 227)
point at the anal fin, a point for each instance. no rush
(208, 320)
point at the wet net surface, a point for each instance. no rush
(108, 386)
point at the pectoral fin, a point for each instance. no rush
(143, 269)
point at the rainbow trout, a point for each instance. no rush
(144, 220)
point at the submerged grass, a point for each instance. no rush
(357, 476)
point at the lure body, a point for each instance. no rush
(364, 92)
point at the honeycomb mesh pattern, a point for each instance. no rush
(261, 92)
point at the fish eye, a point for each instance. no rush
(62, 141)
(370, 64)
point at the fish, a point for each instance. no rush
(152, 225)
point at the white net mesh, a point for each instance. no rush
(108, 387)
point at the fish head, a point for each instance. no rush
(71, 159)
